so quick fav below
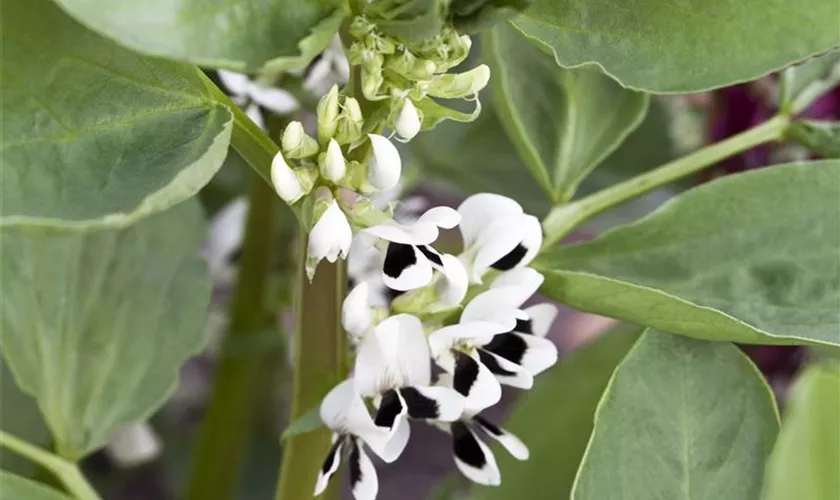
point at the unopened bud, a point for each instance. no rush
(333, 166)
(296, 143)
(328, 115)
(285, 181)
(408, 121)
(385, 165)
(453, 86)
(350, 122)
(372, 79)
(330, 237)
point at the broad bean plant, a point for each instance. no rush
(123, 123)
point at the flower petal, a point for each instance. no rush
(495, 305)
(254, 112)
(472, 333)
(331, 236)
(475, 381)
(453, 289)
(235, 83)
(512, 444)
(394, 355)
(392, 415)
(541, 316)
(472, 457)
(284, 180)
(534, 354)
(355, 311)
(433, 403)
(343, 411)
(398, 233)
(506, 372)
(135, 444)
(499, 242)
(225, 238)
(275, 99)
(520, 283)
(331, 463)
(444, 217)
(363, 480)
(406, 268)
(480, 211)
(385, 166)
(532, 240)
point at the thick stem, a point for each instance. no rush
(224, 434)
(320, 363)
(565, 218)
(67, 472)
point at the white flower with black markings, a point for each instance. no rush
(344, 411)
(330, 238)
(393, 366)
(472, 456)
(410, 261)
(497, 234)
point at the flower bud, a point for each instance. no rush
(330, 236)
(328, 115)
(408, 121)
(385, 165)
(452, 86)
(372, 79)
(134, 445)
(333, 166)
(285, 181)
(350, 122)
(295, 142)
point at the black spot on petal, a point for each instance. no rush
(430, 254)
(488, 426)
(354, 464)
(510, 260)
(388, 410)
(510, 346)
(524, 326)
(419, 406)
(465, 446)
(331, 455)
(398, 258)
(466, 373)
(492, 364)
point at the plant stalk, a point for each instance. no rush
(224, 433)
(65, 471)
(563, 219)
(319, 364)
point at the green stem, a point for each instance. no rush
(565, 218)
(319, 363)
(225, 432)
(67, 472)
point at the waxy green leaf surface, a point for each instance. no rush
(680, 419)
(752, 258)
(242, 36)
(682, 45)
(96, 325)
(13, 487)
(93, 134)
(564, 122)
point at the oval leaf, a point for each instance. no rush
(564, 122)
(93, 134)
(13, 487)
(806, 457)
(242, 36)
(569, 395)
(680, 419)
(675, 46)
(752, 258)
(96, 325)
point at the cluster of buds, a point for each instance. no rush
(408, 75)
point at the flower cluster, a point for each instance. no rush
(478, 345)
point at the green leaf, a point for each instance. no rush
(94, 135)
(806, 458)
(802, 84)
(407, 20)
(13, 487)
(751, 258)
(822, 138)
(96, 325)
(569, 394)
(564, 122)
(307, 422)
(680, 419)
(19, 415)
(675, 46)
(242, 36)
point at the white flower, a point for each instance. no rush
(285, 182)
(356, 317)
(329, 68)
(393, 366)
(343, 411)
(133, 445)
(493, 342)
(330, 238)
(410, 260)
(224, 239)
(472, 457)
(245, 92)
(408, 121)
(497, 234)
(384, 166)
(334, 168)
